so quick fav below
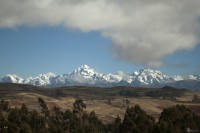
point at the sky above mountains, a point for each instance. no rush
(58, 36)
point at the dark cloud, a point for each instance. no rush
(176, 65)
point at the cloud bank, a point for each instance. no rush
(141, 31)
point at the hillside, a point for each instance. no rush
(106, 102)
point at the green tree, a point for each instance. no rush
(24, 112)
(4, 105)
(36, 121)
(116, 126)
(195, 98)
(24, 109)
(25, 128)
(95, 122)
(56, 123)
(72, 122)
(178, 119)
(136, 120)
(15, 119)
(3, 121)
(79, 105)
(44, 109)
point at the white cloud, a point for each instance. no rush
(141, 31)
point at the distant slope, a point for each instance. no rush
(190, 84)
(84, 91)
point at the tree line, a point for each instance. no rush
(176, 119)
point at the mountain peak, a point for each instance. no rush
(148, 70)
(86, 72)
(12, 75)
(49, 74)
(85, 66)
(149, 76)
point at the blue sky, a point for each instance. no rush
(27, 51)
(108, 35)
(31, 51)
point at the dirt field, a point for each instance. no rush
(106, 104)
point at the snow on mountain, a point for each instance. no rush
(86, 72)
(41, 80)
(178, 77)
(112, 78)
(60, 80)
(193, 77)
(149, 77)
(188, 77)
(11, 78)
(85, 75)
(125, 77)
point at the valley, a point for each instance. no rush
(106, 102)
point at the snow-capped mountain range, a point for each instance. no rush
(85, 75)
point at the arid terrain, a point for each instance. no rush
(106, 102)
